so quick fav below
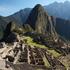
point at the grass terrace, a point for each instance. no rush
(32, 43)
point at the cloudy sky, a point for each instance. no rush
(8, 7)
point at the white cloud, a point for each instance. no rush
(5, 11)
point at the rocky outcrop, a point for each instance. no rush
(9, 36)
(2, 27)
(62, 27)
(41, 22)
(9, 28)
(37, 19)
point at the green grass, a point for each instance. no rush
(47, 64)
(51, 51)
(54, 53)
(30, 42)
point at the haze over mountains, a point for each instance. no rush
(60, 10)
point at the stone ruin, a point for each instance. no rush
(20, 54)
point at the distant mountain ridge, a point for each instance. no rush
(19, 17)
(60, 10)
(62, 26)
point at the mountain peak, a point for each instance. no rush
(39, 20)
(38, 8)
(38, 5)
(37, 16)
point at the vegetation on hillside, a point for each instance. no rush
(30, 42)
